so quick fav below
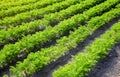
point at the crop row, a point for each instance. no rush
(19, 31)
(4, 5)
(12, 51)
(83, 62)
(41, 58)
(36, 13)
(19, 9)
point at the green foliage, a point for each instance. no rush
(41, 58)
(19, 9)
(33, 14)
(6, 4)
(98, 15)
(28, 43)
(16, 32)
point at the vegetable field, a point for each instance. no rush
(56, 38)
